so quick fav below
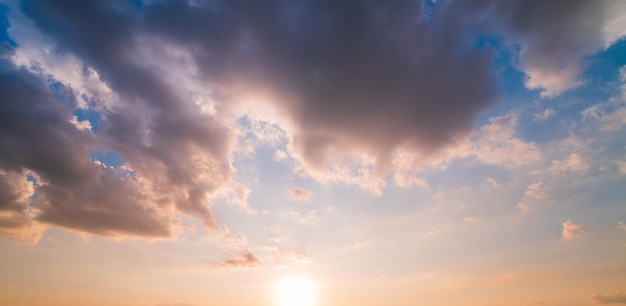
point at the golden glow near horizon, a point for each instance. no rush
(295, 291)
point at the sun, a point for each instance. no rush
(295, 291)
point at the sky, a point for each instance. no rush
(202, 152)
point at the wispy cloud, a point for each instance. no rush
(534, 194)
(617, 297)
(247, 260)
(547, 113)
(621, 225)
(300, 194)
(310, 217)
(405, 180)
(573, 163)
(496, 144)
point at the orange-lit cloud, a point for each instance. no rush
(571, 230)
(247, 260)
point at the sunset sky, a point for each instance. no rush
(249, 152)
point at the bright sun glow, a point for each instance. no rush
(295, 291)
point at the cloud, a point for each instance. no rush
(309, 218)
(497, 145)
(365, 95)
(571, 230)
(547, 113)
(295, 257)
(536, 191)
(349, 91)
(279, 155)
(405, 180)
(176, 156)
(621, 225)
(470, 219)
(574, 163)
(235, 194)
(73, 191)
(491, 183)
(609, 116)
(617, 297)
(553, 37)
(361, 243)
(300, 194)
(432, 233)
(247, 260)
(622, 166)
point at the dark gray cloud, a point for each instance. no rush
(162, 137)
(38, 138)
(352, 75)
(617, 297)
(374, 77)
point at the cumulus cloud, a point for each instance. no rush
(73, 191)
(247, 260)
(176, 156)
(353, 80)
(621, 225)
(300, 194)
(348, 90)
(617, 297)
(571, 230)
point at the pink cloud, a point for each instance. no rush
(571, 230)
(300, 194)
(247, 260)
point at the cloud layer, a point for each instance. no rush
(359, 88)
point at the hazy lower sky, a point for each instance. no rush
(202, 152)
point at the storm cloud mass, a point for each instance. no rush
(378, 86)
